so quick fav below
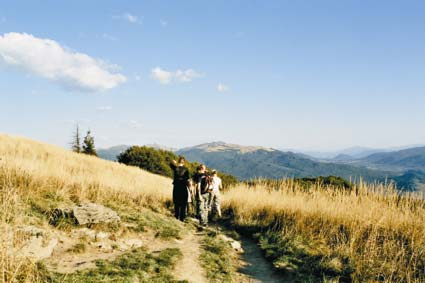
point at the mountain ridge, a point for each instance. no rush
(249, 162)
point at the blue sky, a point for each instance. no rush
(287, 74)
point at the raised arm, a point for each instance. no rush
(173, 164)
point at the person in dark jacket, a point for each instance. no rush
(180, 183)
(202, 195)
(197, 178)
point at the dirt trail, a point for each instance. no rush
(252, 265)
(189, 267)
(255, 268)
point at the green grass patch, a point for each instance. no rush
(165, 227)
(135, 266)
(215, 258)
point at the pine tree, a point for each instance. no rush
(76, 143)
(88, 145)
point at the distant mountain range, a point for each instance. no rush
(402, 160)
(350, 153)
(405, 167)
(250, 162)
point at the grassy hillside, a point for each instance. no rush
(36, 178)
(367, 234)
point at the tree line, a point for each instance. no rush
(156, 161)
(87, 146)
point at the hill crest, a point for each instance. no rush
(223, 146)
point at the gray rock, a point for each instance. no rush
(236, 246)
(88, 213)
(92, 213)
(36, 249)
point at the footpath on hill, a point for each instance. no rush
(255, 267)
(247, 258)
(251, 265)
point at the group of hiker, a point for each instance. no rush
(199, 194)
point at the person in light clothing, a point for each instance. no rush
(214, 203)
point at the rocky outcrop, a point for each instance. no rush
(92, 213)
(36, 249)
(236, 245)
(85, 214)
(39, 244)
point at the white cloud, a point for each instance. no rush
(186, 76)
(132, 19)
(162, 76)
(163, 23)
(166, 77)
(104, 108)
(48, 59)
(127, 17)
(222, 87)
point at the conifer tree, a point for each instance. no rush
(76, 143)
(88, 145)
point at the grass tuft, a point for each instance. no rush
(215, 259)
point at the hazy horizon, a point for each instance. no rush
(301, 150)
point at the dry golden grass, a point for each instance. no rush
(36, 177)
(371, 229)
(378, 231)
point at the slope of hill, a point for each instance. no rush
(411, 180)
(407, 159)
(146, 244)
(36, 179)
(354, 153)
(250, 162)
(149, 246)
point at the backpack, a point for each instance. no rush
(206, 184)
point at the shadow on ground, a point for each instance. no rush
(256, 267)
